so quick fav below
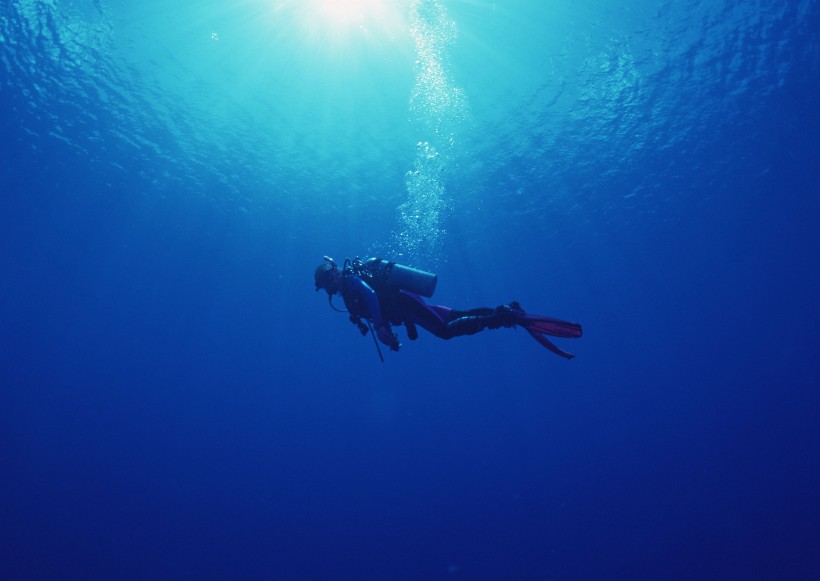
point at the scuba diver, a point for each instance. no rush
(379, 293)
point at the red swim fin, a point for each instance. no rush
(538, 326)
(550, 345)
(550, 326)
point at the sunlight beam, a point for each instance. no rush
(337, 21)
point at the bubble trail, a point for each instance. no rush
(437, 108)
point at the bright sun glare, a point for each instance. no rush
(333, 21)
(345, 12)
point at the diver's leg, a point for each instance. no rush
(447, 323)
(414, 311)
(476, 320)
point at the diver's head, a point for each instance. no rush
(326, 276)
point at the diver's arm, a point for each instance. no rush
(366, 294)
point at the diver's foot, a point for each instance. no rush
(508, 315)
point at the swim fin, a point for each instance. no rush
(550, 345)
(551, 326)
(538, 326)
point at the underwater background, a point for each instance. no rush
(177, 402)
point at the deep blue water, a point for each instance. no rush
(177, 402)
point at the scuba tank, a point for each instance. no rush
(402, 277)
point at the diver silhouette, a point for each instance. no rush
(379, 293)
